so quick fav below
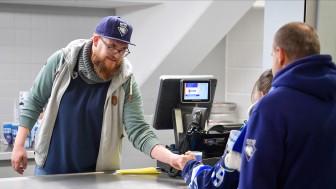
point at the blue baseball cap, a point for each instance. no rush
(116, 28)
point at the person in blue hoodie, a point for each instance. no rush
(225, 174)
(290, 139)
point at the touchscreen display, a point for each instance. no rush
(195, 91)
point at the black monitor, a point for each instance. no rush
(182, 93)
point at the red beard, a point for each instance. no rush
(99, 66)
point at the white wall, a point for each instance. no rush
(29, 35)
(244, 59)
(157, 30)
(278, 13)
(326, 27)
(214, 64)
(187, 32)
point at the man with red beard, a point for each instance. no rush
(90, 96)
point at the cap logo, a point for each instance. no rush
(122, 29)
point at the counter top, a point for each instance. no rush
(94, 180)
(6, 152)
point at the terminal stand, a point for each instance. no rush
(177, 124)
(212, 145)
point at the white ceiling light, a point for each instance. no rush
(259, 4)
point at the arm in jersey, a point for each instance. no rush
(199, 176)
(225, 174)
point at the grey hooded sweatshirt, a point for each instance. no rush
(48, 89)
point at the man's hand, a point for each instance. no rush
(19, 154)
(175, 161)
(19, 159)
(164, 155)
(185, 158)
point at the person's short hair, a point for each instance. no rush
(298, 40)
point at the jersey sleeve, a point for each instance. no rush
(200, 176)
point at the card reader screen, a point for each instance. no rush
(195, 91)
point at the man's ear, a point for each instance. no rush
(282, 57)
(95, 39)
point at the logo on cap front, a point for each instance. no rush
(122, 28)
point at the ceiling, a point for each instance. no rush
(84, 3)
(107, 4)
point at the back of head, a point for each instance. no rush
(298, 40)
(262, 85)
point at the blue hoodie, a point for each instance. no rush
(291, 134)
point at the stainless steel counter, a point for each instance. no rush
(97, 180)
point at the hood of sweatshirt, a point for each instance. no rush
(313, 75)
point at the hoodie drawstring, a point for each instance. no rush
(131, 91)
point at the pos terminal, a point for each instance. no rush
(184, 103)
